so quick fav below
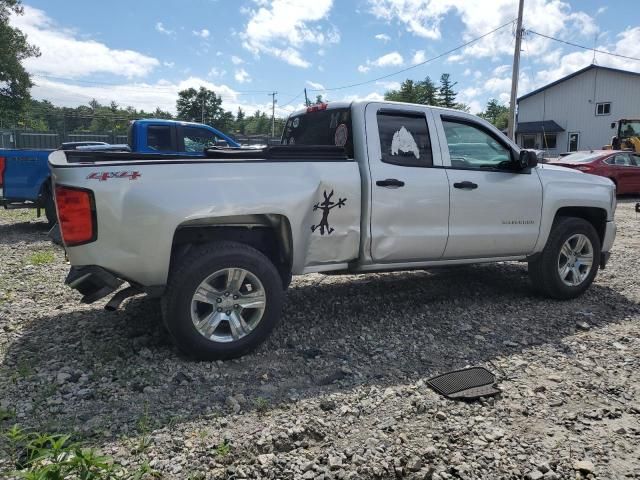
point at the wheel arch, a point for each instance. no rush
(270, 234)
(594, 215)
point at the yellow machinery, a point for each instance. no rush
(627, 137)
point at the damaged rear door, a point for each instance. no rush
(409, 188)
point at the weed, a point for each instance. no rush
(223, 449)
(44, 456)
(42, 257)
(262, 404)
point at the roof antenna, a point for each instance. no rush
(595, 41)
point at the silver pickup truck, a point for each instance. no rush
(354, 187)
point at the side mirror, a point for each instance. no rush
(527, 159)
(222, 143)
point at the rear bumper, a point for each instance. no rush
(92, 282)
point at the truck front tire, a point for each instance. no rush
(222, 301)
(570, 259)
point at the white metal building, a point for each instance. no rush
(577, 111)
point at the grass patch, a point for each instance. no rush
(42, 257)
(43, 456)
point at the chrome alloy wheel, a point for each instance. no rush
(228, 305)
(575, 260)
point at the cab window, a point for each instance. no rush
(472, 147)
(197, 139)
(404, 139)
(159, 138)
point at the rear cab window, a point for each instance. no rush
(320, 126)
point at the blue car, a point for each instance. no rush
(25, 177)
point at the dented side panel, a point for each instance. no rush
(138, 214)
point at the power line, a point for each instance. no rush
(292, 100)
(444, 54)
(582, 46)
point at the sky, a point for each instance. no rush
(141, 53)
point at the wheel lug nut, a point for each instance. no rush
(228, 312)
(226, 294)
(235, 297)
(219, 309)
(236, 306)
(218, 300)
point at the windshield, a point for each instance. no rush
(323, 127)
(629, 128)
(581, 157)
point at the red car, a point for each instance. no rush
(621, 167)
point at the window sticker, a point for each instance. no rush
(404, 142)
(340, 137)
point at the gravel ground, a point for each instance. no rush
(338, 390)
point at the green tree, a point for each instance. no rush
(407, 93)
(194, 105)
(496, 114)
(15, 82)
(427, 92)
(446, 94)
(240, 121)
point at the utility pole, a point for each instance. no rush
(273, 113)
(514, 76)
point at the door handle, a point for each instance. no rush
(465, 185)
(390, 182)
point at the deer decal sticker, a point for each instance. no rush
(326, 206)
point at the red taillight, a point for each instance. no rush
(2, 165)
(317, 107)
(77, 215)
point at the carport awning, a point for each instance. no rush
(546, 126)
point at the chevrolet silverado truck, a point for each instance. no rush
(355, 187)
(24, 173)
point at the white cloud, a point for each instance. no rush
(315, 85)
(216, 73)
(389, 85)
(383, 37)
(146, 96)
(65, 55)
(282, 27)
(501, 70)
(388, 60)
(236, 60)
(372, 97)
(418, 57)
(242, 76)
(423, 18)
(164, 30)
(169, 64)
(204, 33)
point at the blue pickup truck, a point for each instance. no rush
(25, 176)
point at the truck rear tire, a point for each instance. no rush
(570, 259)
(49, 206)
(222, 301)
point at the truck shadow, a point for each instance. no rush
(337, 333)
(28, 232)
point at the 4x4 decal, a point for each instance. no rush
(326, 206)
(104, 176)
